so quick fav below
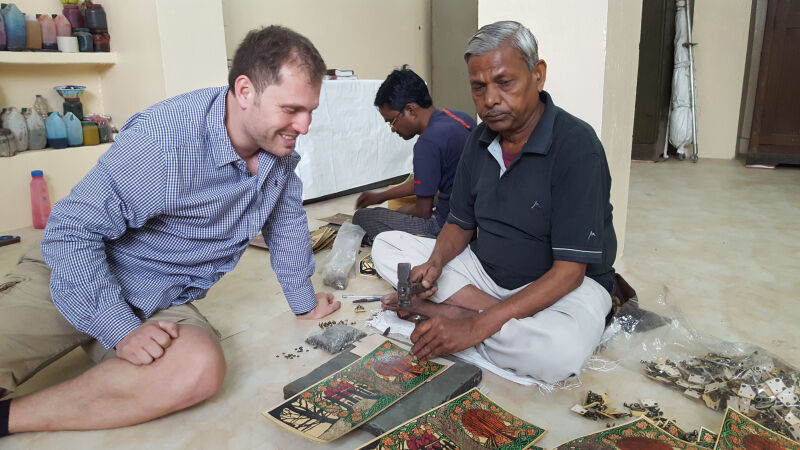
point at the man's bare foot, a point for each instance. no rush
(425, 308)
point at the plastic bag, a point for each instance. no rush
(341, 264)
(719, 373)
(335, 338)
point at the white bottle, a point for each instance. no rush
(14, 121)
(37, 135)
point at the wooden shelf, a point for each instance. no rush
(99, 58)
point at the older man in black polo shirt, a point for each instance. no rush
(523, 266)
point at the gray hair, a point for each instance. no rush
(507, 32)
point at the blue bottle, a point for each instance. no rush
(2, 33)
(16, 37)
(56, 131)
(74, 130)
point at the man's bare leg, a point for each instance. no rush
(117, 393)
(466, 302)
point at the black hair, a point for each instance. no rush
(263, 52)
(402, 87)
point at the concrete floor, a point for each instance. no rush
(721, 241)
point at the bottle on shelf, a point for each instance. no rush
(33, 31)
(56, 131)
(14, 121)
(85, 39)
(73, 14)
(103, 127)
(37, 134)
(41, 107)
(48, 32)
(16, 39)
(3, 45)
(91, 134)
(96, 17)
(74, 130)
(8, 143)
(63, 27)
(40, 200)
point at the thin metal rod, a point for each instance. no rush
(361, 296)
(691, 75)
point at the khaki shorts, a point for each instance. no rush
(33, 333)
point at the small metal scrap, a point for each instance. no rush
(360, 309)
(755, 384)
(597, 406)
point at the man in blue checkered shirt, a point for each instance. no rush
(167, 211)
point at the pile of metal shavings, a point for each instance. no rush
(293, 355)
(330, 323)
(598, 406)
(755, 384)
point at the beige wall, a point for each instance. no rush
(721, 29)
(453, 23)
(592, 51)
(371, 37)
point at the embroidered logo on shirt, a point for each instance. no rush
(591, 235)
(536, 204)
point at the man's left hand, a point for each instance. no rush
(439, 336)
(325, 305)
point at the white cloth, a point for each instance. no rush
(549, 346)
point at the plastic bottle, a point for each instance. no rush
(91, 134)
(14, 121)
(73, 14)
(3, 44)
(8, 143)
(85, 39)
(37, 134)
(40, 200)
(48, 32)
(41, 107)
(74, 130)
(56, 131)
(63, 27)
(95, 17)
(15, 27)
(33, 31)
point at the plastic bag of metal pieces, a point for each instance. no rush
(335, 338)
(341, 264)
(706, 369)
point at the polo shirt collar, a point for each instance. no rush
(542, 135)
(222, 150)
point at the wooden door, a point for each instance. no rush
(775, 136)
(654, 80)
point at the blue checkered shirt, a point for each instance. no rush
(165, 213)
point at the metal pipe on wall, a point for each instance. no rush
(690, 45)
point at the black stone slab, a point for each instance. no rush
(457, 379)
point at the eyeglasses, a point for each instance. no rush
(391, 124)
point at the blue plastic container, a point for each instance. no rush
(56, 131)
(16, 37)
(74, 130)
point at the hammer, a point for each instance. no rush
(405, 288)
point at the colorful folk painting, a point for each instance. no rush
(739, 432)
(638, 434)
(345, 400)
(470, 422)
(706, 438)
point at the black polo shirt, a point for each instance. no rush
(551, 203)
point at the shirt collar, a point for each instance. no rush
(221, 147)
(542, 136)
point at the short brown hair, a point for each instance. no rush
(263, 52)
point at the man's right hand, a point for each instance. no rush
(427, 274)
(147, 343)
(367, 199)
